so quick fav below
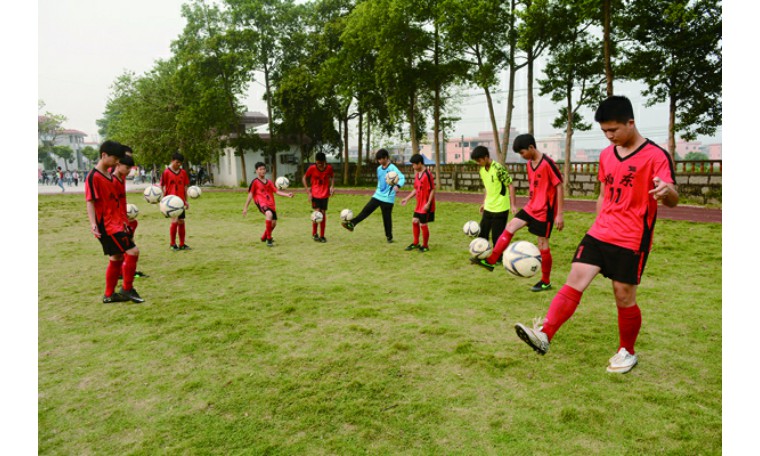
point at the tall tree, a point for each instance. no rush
(536, 33)
(49, 127)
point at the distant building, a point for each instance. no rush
(75, 140)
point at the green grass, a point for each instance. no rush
(358, 347)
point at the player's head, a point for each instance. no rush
(261, 169)
(127, 150)
(111, 152)
(382, 156)
(126, 163)
(480, 155)
(524, 145)
(177, 160)
(417, 161)
(321, 160)
(615, 117)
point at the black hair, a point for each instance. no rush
(112, 148)
(417, 159)
(382, 153)
(523, 142)
(178, 156)
(127, 160)
(126, 148)
(615, 108)
(320, 157)
(259, 165)
(479, 152)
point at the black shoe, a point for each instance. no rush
(270, 243)
(390, 240)
(348, 225)
(116, 297)
(322, 239)
(315, 237)
(482, 263)
(411, 247)
(174, 247)
(541, 286)
(424, 249)
(185, 247)
(141, 274)
(132, 295)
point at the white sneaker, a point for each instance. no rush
(622, 362)
(534, 337)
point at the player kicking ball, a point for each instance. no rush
(424, 212)
(261, 192)
(322, 179)
(635, 174)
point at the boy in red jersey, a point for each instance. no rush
(108, 222)
(543, 211)
(262, 192)
(174, 181)
(635, 174)
(424, 212)
(322, 187)
(120, 172)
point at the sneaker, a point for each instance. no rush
(315, 237)
(141, 274)
(424, 249)
(534, 337)
(347, 225)
(622, 362)
(411, 247)
(322, 239)
(270, 243)
(390, 240)
(174, 247)
(541, 286)
(185, 247)
(482, 263)
(263, 239)
(116, 297)
(132, 295)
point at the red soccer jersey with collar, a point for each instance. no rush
(320, 181)
(175, 183)
(104, 194)
(424, 185)
(628, 211)
(121, 189)
(263, 193)
(543, 181)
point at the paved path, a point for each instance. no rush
(681, 212)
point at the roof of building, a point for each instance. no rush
(254, 118)
(72, 132)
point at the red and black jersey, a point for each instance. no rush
(543, 181)
(263, 193)
(121, 189)
(320, 181)
(424, 184)
(104, 194)
(628, 211)
(175, 182)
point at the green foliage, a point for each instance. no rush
(696, 156)
(90, 153)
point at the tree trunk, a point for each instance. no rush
(672, 128)
(359, 146)
(412, 125)
(531, 123)
(345, 146)
(241, 152)
(511, 89)
(271, 152)
(437, 110)
(607, 46)
(568, 142)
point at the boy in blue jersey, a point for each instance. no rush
(384, 196)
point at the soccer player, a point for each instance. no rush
(262, 191)
(108, 222)
(543, 211)
(120, 173)
(500, 194)
(322, 187)
(635, 174)
(424, 212)
(384, 197)
(174, 181)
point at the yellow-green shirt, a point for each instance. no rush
(496, 181)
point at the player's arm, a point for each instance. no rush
(600, 200)
(665, 192)
(401, 179)
(91, 217)
(287, 194)
(306, 186)
(559, 219)
(247, 203)
(408, 197)
(332, 185)
(430, 199)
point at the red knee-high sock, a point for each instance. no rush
(561, 309)
(322, 225)
(546, 265)
(425, 235)
(112, 276)
(181, 230)
(173, 233)
(313, 228)
(500, 247)
(269, 229)
(128, 269)
(629, 324)
(416, 233)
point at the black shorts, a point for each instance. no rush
(117, 243)
(425, 218)
(537, 227)
(264, 209)
(616, 263)
(319, 203)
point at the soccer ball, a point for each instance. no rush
(282, 183)
(153, 194)
(317, 216)
(522, 259)
(471, 228)
(172, 206)
(480, 248)
(391, 178)
(194, 191)
(132, 211)
(346, 215)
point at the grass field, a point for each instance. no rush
(358, 347)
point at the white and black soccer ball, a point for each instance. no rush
(471, 228)
(282, 183)
(346, 215)
(522, 258)
(153, 194)
(480, 248)
(132, 211)
(194, 191)
(391, 178)
(317, 216)
(171, 206)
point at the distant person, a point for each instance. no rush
(67, 176)
(384, 197)
(174, 181)
(75, 176)
(201, 176)
(59, 178)
(424, 212)
(40, 172)
(635, 174)
(261, 192)
(322, 178)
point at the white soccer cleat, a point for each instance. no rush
(534, 337)
(622, 362)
